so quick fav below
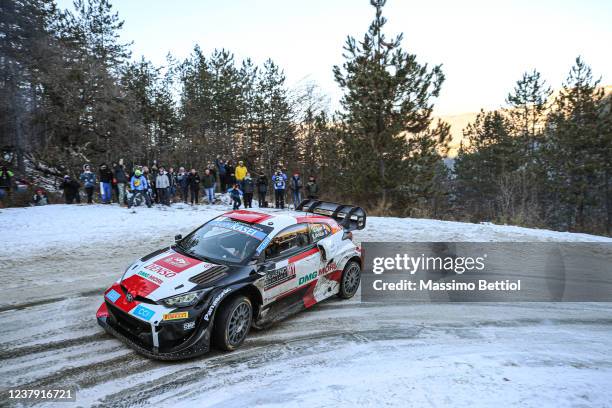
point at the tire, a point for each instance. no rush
(349, 283)
(232, 323)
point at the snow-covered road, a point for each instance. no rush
(56, 260)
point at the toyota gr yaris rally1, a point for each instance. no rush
(240, 270)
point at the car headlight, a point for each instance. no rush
(185, 299)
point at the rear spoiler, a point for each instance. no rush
(348, 216)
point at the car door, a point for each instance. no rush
(328, 274)
(293, 263)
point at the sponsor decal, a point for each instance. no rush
(143, 312)
(242, 228)
(279, 276)
(308, 278)
(150, 277)
(188, 325)
(263, 245)
(327, 269)
(215, 302)
(176, 262)
(160, 270)
(113, 295)
(317, 231)
(175, 316)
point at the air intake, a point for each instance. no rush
(209, 275)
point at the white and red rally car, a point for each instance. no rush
(241, 269)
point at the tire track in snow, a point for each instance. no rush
(54, 345)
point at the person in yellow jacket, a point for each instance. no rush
(240, 173)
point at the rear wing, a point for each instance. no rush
(348, 216)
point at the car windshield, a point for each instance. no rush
(226, 240)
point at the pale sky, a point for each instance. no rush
(484, 46)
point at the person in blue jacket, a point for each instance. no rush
(235, 194)
(89, 182)
(139, 186)
(279, 181)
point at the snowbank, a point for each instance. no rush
(62, 228)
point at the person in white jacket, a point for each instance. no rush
(162, 184)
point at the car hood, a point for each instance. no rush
(167, 274)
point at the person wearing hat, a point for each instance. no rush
(89, 182)
(139, 186)
(240, 172)
(106, 180)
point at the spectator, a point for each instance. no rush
(248, 187)
(208, 181)
(193, 180)
(6, 179)
(152, 177)
(139, 186)
(121, 180)
(296, 189)
(172, 178)
(162, 184)
(213, 172)
(229, 173)
(312, 188)
(279, 181)
(240, 173)
(235, 195)
(40, 198)
(106, 178)
(150, 182)
(262, 189)
(89, 181)
(181, 181)
(71, 190)
(220, 163)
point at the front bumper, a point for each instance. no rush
(172, 343)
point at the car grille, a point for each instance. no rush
(209, 275)
(138, 329)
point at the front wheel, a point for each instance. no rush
(233, 323)
(351, 277)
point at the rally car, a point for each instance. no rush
(240, 270)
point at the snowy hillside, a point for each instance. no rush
(56, 260)
(64, 228)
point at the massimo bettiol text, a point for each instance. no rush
(490, 272)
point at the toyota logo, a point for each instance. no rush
(129, 297)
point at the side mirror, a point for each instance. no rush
(265, 268)
(178, 237)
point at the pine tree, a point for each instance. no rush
(28, 53)
(575, 149)
(386, 101)
(526, 113)
(483, 168)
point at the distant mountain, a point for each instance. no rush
(458, 122)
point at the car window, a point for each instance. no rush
(225, 240)
(288, 241)
(318, 231)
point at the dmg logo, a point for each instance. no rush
(308, 278)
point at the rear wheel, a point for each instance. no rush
(232, 323)
(351, 277)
